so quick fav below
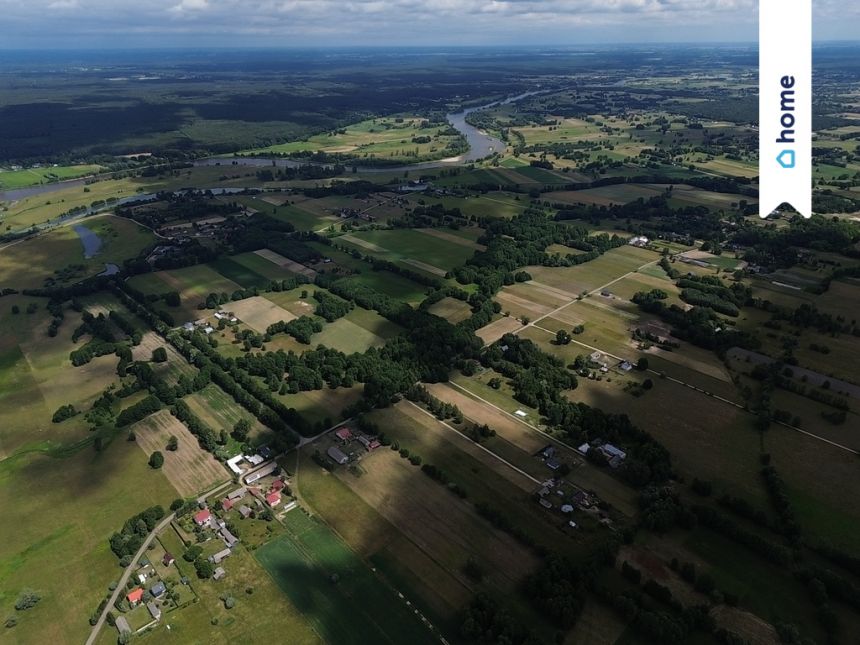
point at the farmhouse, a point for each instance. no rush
(158, 589)
(218, 557)
(218, 573)
(244, 511)
(278, 485)
(273, 499)
(226, 504)
(344, 434)
(337, 455)
(638, 240)
(202, 517)
(134, 596)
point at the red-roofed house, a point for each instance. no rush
(202, 517)
(273, 499)
(278, 484)
(226, 504)
(135, 596)
(343, 434)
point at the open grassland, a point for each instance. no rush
(403, 246)
(68, 507)
(606, 195)
(358, 331)
(209, 621)
(28, 263)
(240, 272)
(12, 179)
(36, 378)
(439, 594)
(302, 562)
(496, 204)
(292, 301)
(220, 412)
(386, 138)
(262, 266)
(707, 438)
(285, 263)
(193, 284)
(451, 309)
(258, 313)
(324, 406)
(587, 277)
(485, 478)
(190, 469)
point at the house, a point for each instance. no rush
(202, 517)
(612, 451)
(638, 240)
(167, 560)
(595, 357)
(230, 540)
(584, 448)
(548, 452)
(553, 463)
(218, 557)
(567, 508)
(344, 434)
(522, 414)
(606, 293)
(273, 499)
(218, 573)
(226, 503)
(154, 610)
(233, 464)
(265, 452)
(158, 589)
(543, 492)
(545, 503)
(244, 511)
(239, 493)
(625, 366)
(278, 485)
(337, 455)
(189, 326)
(122, 625)
(134, 596)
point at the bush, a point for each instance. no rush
(156, 460)
(27, 599)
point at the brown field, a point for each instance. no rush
(454, 239)
(286, 263)
(451, 309)
(437, 522)
(493, 331)
(258, 313)
(429, 268)
(176, 364)
(190, 469)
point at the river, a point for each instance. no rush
(480, 143)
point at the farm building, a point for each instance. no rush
(337, 455)
(239, 493)
(202, 517)
(244, 511)
(226, 504)
(154, 610)
(122, 625)
(218, 573)
(278, 485)
(167, 560)
(368, 443)
(134, 596)
(230, 540)
(263, 472)
(638, 240)
(218, 557)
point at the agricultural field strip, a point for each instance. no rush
(477, 445)
(120, 587)
(705, 392)
(513, 416)
(346, 219)
(590, 293)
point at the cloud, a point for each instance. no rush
(393, 22)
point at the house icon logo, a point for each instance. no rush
(786, 159)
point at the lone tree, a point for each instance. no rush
(172, 443)
(156, 460)
(159, 355)
(562, 337)
(642, 364)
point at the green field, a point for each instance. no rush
(12, 179)
(357, 608)
(53, 254)
(358, 331)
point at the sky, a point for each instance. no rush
(88, 24)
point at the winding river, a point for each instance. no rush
(480, 143)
